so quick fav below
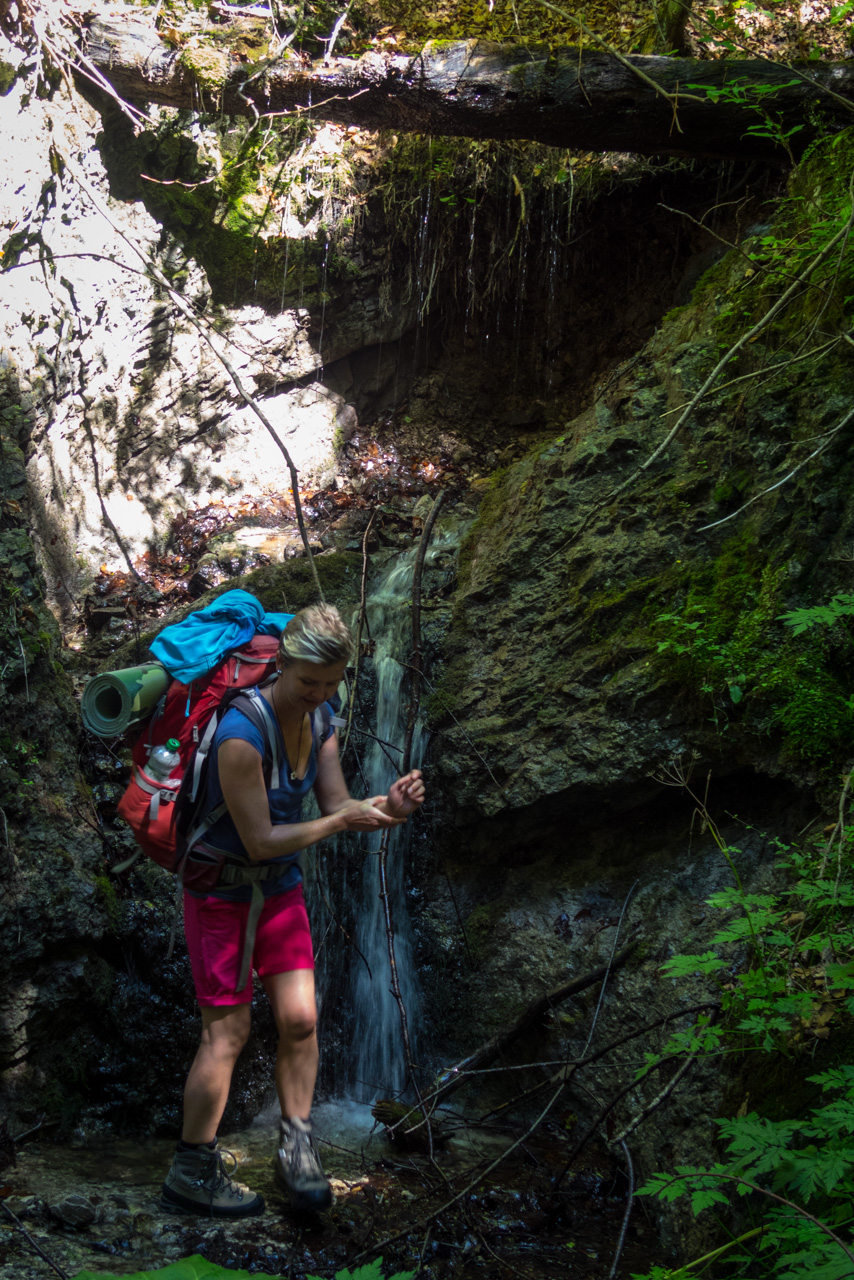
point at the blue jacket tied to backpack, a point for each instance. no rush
(190, 648)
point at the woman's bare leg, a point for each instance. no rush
(292, 999)
(225, 1030)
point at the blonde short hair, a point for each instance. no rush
(317, 634)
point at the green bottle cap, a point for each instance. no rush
(173, 744)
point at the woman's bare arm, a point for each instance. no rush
(404, 796)
(242, 780)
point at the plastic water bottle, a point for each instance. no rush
(163, 760)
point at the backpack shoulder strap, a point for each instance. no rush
(256, 710)
(324, 723)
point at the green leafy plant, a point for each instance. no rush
(784, 1166)
(199, 1268)
(820, 615)
(755, 98)
(785, 961)
(689, 638)
(785, 964)
(727, 643)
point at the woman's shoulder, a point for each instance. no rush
(236, 722)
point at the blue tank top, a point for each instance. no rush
(285, 801)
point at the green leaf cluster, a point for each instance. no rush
(785, 966)
(785, 961)
(728, 643)
(199, 1268)
(821, 615)
(799, 1175)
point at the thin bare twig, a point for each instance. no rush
(766, 371)
(673, 99)
(821, 448)
(33, 1242)
(477, 1181)
(363, 598)
(839, 827)
(630, 1199)
(426, 534)
(336, 30)
(201, 327)
(790, 1204)
(351, 941)
(745, 338)
(453, 1078)
(656, 1102)
(395, 981)
(569, 1067)
(104, 512)
(748, 336)
(606, 1111)
(416, 661)
(736, 248)
(446, 708)
(608, 969)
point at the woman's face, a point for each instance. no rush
(303, 686)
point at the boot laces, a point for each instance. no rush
(218, 1178)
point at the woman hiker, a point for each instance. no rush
(266, 827)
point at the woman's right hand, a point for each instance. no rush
(363, 815)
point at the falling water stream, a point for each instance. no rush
(378, 1061)
(354, 975)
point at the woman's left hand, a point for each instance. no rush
(405, 795)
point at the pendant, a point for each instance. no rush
(293, 775)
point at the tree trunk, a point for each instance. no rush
(564, 97)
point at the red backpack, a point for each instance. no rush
(169, 817)
(189, 713)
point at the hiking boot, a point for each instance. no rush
(297, 1166)
(198, 1183)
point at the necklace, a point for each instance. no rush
(293, 775)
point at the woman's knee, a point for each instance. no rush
(225, 1031)
(298, 1024)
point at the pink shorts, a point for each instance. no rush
(215, 930)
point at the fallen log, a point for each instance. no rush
(579, 99)
(407, 1127)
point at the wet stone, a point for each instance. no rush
(74, 1211)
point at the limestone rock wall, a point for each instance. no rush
(134, 418)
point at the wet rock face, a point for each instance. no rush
(553, 662)
(97, 1026)
(135, 419)
(53, 914)
(605, 646)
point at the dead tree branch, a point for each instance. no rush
(363, 600)
(34, 1243)
(452, 1079)
(413, 711)
(417, 661)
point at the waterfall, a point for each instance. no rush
(362, 1046)
(378, 1061)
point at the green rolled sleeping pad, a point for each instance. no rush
(116, 699)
